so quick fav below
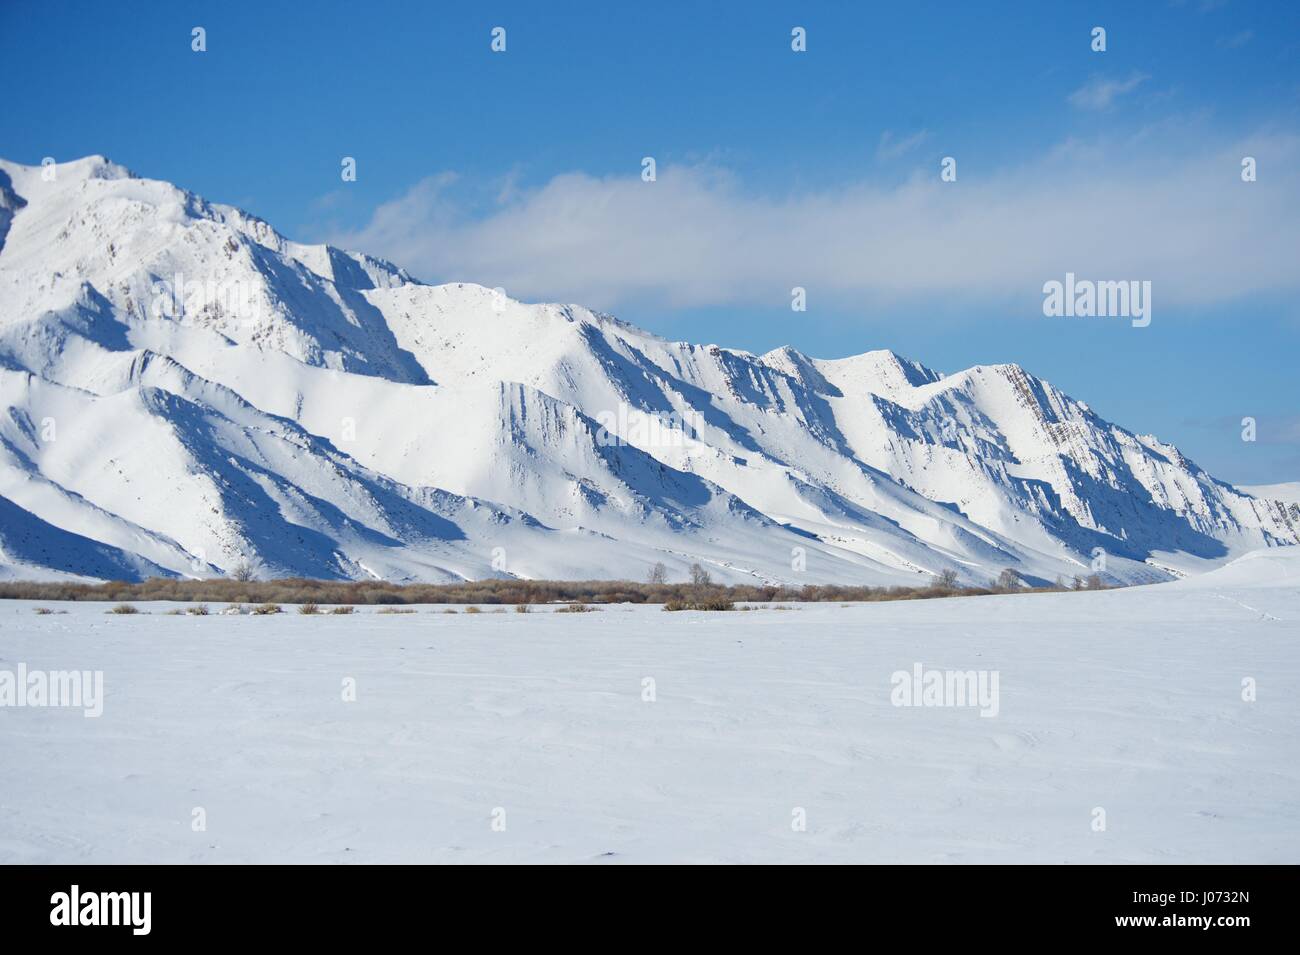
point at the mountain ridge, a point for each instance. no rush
(322, 413)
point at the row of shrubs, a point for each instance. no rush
(303, 591)
(201, 610)
(308, 609)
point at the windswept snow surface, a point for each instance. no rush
(1127, 701)
(188, 390)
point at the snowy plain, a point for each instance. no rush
(1126, 700)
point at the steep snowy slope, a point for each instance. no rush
(191, 390)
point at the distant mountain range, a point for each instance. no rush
(188, 392)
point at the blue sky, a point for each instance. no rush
(775, 169)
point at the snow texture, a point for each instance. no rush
(1129, 701)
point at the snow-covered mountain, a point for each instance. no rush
(187, 390)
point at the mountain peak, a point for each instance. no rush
(54, 172)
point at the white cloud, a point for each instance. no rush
(1101, 92)
(1132, 210)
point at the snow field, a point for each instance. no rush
(1128, 701)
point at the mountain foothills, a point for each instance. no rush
(187, 392)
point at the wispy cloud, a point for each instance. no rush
(327, 202)
(1237, 40)
(892, 146)
(1139, 208)
(1101, 92)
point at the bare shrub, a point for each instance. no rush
(945, 579)
(472, 610)
(244, 571)
(523, 608)
(198, 610)
(308, 609)
(705, 604)
(124, 608)
(578, 607)
(658, 574)
(341, 610)
(264, 609)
